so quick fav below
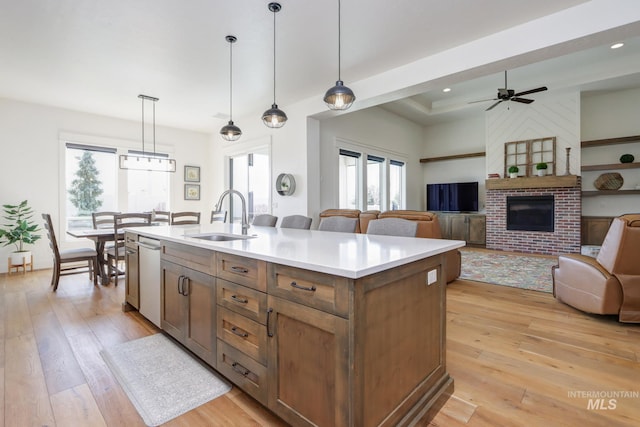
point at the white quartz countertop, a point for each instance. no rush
(349, 255)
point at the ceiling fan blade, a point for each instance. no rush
(527, 92)
(493, 105)
(483, 100)
(523, 100)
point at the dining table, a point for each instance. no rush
(100, 236)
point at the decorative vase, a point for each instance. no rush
(542, 172)
(513, 174)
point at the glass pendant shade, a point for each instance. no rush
(274, 117)
(339, 97)
(230, 132)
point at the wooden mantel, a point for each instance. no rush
(531, 182)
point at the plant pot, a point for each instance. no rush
(17, 258)
(513, 174)
(542, 172)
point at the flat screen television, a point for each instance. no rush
(453, 197)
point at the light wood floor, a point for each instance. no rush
(516, 357)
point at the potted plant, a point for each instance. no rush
(513, 171)
(541, 168)
(20, 231)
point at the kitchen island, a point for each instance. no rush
(328, 329)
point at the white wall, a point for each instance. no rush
(30, 152)
(375, 128)
(605, 116)
(451, 138)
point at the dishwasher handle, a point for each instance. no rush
(149, 246)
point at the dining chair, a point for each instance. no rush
(183, 218)
(393, 227)
(218, 216)
(160, 216)
(265, 220)
(338, 223)
(70, 257)
(117, 252)
(296, 221)
(103, 219)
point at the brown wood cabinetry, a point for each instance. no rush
(594, 228)
(461, 226)
(188, 309)
(315, 348)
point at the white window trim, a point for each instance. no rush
(365, 150)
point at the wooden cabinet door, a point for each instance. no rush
(459, 227)
(308, 364)
(132, 277)
(173, 307)
(477, 230)
(200, 323)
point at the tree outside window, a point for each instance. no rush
(86, 188)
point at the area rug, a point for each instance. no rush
(518, 271)
(161, 379)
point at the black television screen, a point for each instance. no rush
(453, 197)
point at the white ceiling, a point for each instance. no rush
(97, 56)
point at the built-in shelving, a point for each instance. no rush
(610, 193)
(610, 166)
(620, 140)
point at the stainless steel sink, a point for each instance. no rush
(219, 237)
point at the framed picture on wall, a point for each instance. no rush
(192, 191)
(192, 173)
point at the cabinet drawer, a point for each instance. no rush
(245, 271)
(242, 333)
(199, 259)
(131, 240)
(246, 373)
(242, 300)
(318, 290)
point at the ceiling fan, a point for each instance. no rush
(506, 94)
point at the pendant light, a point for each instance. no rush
(274, 117)
(141, 160)
(339, 97)
(231, 132)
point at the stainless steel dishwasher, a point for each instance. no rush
(149, 268)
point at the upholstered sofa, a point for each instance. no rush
(609, 283)
(428, 227)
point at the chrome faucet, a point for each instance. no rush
(245, 221)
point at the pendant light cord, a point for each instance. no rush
(154, 128)
(142, 99)
(230, 81)
(274, 56)
(339, 38)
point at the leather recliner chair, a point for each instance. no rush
(609, 283)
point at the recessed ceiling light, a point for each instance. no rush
(446, 89)
(617, 45)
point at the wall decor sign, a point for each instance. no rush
(192, 173)
(192, 191)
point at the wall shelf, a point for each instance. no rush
(532, 182)
(620, 140)
(454, 157)
(610, 166)
(610, 193)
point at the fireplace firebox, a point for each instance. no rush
(530, 213)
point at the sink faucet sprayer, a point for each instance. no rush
(245, 222)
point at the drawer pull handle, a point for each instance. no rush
(239, 300)
(242, 270)
(239, 332)
(240, 369)
(303, 288)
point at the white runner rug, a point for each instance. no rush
(161, 379)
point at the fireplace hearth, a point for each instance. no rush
(530, 213)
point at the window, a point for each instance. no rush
(250, 174)
(349, 180)
(90, 183)
(147, 190)
(379, 186)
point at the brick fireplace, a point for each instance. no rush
(565, 237)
